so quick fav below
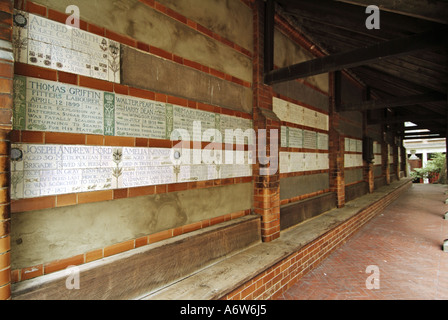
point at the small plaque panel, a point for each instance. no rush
(353, 160)
(42, 105)
(135, 117)
(45, 43)
(303, 161)
(309, 139)
(295, 138)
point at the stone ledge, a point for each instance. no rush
(224, 277)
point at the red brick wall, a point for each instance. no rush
(266, 186)
(6, 98)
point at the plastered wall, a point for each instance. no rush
(178, 61)
(171, 62)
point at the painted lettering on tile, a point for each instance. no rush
(42, 42)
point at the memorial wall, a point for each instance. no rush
(102, 163)
(138, 126)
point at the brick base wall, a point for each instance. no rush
(280, 277)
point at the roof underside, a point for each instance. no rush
(409, 86)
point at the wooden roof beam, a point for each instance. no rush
(395, 102)
(360, 56)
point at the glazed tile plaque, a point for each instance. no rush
(135, 117)
(45, 43)
(41, 105)
(41, 170)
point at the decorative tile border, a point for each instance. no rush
(46, 43)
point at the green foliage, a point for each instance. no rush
(433, 167)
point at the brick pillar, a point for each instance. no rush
(368, 173)
(404, 160)
(369, 176)
(6, 92)
(385, 160)
(396, 162)
(336, 148)
(267, 126)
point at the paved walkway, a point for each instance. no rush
(404, 246)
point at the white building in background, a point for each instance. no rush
(423, 147)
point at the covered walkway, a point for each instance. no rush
(404, 246)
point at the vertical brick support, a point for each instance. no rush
(6, 101)
(404, 160)
(336, 148)
(368, 174)
(396, 162)
(385, 160)
(266, 200)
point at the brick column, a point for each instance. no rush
(6, 100)
(385, 160)
(267, 126)
(404, 160)
(369, 175)
(336, 149)
(396, 162)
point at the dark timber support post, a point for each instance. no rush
(269, 36)
(336, 142)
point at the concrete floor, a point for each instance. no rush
(401, 248)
